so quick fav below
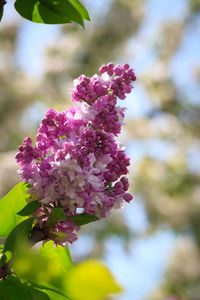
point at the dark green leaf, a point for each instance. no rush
(52, 12)
(53, 292)
(29, 209)
(9, 206)
(54, 295)
(63, 8)
(56, 214)
(1, 13)
(19, 234)
(81, 9)
(13, 289)
(34, 11)
(28, 185)
(82, 219)
(3, 259)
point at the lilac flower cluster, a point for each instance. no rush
(76, 164)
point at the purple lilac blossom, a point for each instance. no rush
(76, 164)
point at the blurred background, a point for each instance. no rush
(153, 244)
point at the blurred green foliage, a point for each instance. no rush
(50, 274)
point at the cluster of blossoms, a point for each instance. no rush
(76, 164)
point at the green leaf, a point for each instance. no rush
(18, 235)
(59, 256)
(82, 219)
(34, 11)
(63, 8)
(81, 9)
(52, 11)
(54, 295)
(1, 13)
(46, 268)
(56, 214)
(13, 289)
(52, 292)
(94, 281)
(29, 209)
(9, 206)
(29, 265)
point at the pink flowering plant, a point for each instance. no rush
(75, 173)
